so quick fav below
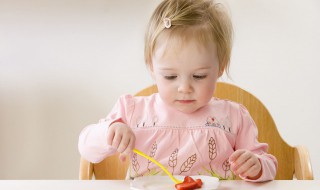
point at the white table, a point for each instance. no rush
(125, 185)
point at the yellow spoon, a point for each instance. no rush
(175, 180)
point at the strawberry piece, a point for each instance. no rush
(186, 186)
(199, 182)
(189, 183)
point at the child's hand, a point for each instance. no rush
(245, 164)
(121, 137)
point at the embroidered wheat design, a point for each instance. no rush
(173, 159)
(186, 166)
(212, 151)
(226, 167)
(152, 153)
(135, 164)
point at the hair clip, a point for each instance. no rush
(167, 22)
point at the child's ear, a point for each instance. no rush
(220, 73)
(221, 70)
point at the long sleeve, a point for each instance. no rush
(247, 138)
(92, 143)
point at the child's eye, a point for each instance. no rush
(199, 76)
(170, 77)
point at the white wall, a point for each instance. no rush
(63, 64)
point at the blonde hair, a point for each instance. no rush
(206, 19)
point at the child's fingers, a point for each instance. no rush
(244, 164)
(234, 156)
(121, 138)
(110, 135)
(252, 171)
(244, 158)
(116, 140)
(124, 143)
(130, 146)
(240, 164)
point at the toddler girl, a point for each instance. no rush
(187, 49)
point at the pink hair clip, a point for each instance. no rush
(167, 22)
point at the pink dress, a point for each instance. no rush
(199, 143)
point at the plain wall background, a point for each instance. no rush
(64, 63)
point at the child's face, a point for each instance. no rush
(186, 74)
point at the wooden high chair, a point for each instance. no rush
(293, 161)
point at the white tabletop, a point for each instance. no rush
(125, 184)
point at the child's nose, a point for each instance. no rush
(185, 87)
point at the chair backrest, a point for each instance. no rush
(291, 160)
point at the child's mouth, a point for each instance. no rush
(186, 101)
